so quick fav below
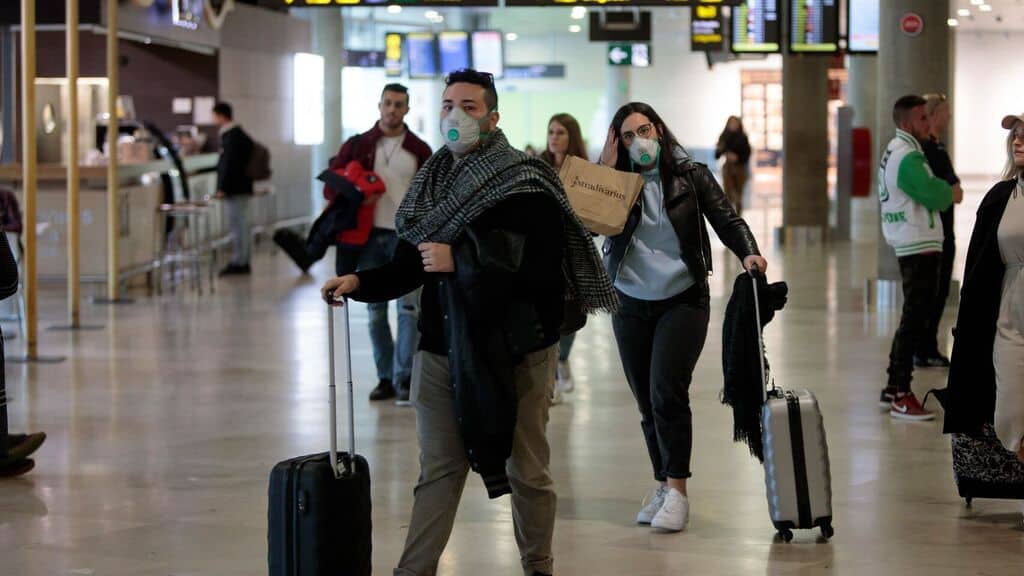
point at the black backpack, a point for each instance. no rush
(259, 163)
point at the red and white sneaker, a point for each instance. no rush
(907, 407)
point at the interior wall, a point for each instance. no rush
(988, 70)
(255, 62)
(152, 75)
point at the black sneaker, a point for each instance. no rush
(17, 468)
(295, 247)
(932, 361)
(21, 446)
(236, 270)
(402, 392)
(383, 391)
(888, 396)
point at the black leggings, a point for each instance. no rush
(659, 343)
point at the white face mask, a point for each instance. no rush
(644, 152)
(461, 132)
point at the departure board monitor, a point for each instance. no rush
(453, 47)
(814, 26)
(862, 26)
(422, 55)
(756, 27)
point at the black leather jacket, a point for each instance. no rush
(693, 197)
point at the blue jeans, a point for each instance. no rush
(237, 212)
(392, 357)
(565, 347)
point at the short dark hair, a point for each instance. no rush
(224, 109)
(901, 110)
(395, 87)
(484, 80)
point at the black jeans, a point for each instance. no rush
(659, 343)
(928, 344)
(920, 288)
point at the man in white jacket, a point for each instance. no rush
(912, 198)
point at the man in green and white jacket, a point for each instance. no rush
(912, 198)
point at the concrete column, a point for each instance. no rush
(863, 90)
(909, 65)
(805, 145)
(328, 41)
(619, 89)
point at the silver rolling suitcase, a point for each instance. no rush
(796, 464)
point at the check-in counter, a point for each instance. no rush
(140, 194)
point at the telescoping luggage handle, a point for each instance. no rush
(755, 272)
(346, 468)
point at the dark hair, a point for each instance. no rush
(666, 160)
(739, 122)
(576, 146)
(901, 110)
(224, 109)
(484, 80)
(397, 88)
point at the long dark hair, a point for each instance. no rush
(667, 165)
(576, 145)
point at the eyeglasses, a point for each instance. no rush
(643, 132)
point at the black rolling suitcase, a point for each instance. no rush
(983, 468)
(319, 515)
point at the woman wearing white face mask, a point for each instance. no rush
(660, 264)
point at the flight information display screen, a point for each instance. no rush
(422, 55)
(862, 26)
(756, 27)
(406, 3)
(454, 50)
(489, 52)
(814, 26)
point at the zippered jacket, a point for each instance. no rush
(693, 196)
(911, 197)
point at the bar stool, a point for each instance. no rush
(188, 243)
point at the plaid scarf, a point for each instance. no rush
(448, 194)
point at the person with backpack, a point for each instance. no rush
(234, 186)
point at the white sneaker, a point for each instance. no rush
(674, 514)
(565, 381)
(556, 396)
(654, 502)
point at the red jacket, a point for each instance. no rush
(362, 148)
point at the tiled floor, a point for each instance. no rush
(164, 426)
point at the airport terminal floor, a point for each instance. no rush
(163, 428)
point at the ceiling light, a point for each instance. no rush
(579, 12)
(985, 7)
(953, 22)
(394, 9)
(575, 28)
(431, 14)
(964, 12)
(977, 2)
(511, 36)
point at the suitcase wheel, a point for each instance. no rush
(827, 531)
(786, 535)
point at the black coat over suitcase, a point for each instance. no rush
(319, 515)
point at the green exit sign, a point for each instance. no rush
(636, 55)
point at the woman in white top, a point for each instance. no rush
(986, 378)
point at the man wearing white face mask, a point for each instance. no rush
(489, 234)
